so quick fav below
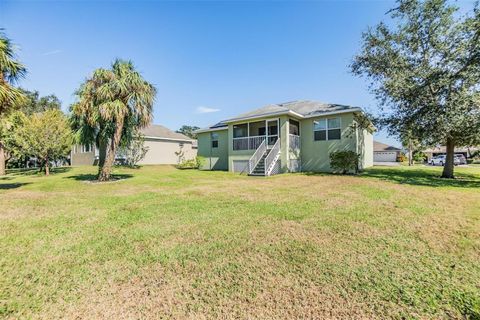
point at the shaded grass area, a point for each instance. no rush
(426, 176)
(169, 243)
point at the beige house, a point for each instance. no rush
(164, 147)
(384, 153)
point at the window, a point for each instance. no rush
(327, 129)
(214, 138)
(334, 129)
(320, 130)
(86, 148)
(240, 130)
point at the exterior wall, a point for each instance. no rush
(242, 155)
(163, 151)
(315, 155)
(365, 149)
(215, 158)
(78, 158)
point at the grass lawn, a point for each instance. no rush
(165, 243)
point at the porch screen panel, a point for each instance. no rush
(294, 127)
(240, 130)
(257, 128)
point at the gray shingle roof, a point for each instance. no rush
(378, 146)
(311, 108)
(303, 108)
(159, 131)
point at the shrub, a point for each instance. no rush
(419, 156)
(191, 163)
(344, 161)
(401, 158)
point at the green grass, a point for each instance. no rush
(165, 243)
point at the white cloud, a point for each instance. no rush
(49, 53)
(206, 110)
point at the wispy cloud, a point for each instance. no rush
(49, 53)
(206, 110)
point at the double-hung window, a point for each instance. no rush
(327, 129)
(214, 139)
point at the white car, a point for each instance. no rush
(440, 160)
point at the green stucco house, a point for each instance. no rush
(288, 137)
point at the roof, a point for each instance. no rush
(378, 146)
(161, 132)
(300, 109)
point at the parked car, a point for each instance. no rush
(461, 158)
(440, 160)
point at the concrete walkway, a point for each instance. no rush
(387, 164)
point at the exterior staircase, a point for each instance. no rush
(260, 167)
(265, 161)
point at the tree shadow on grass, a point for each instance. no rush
(93, 177)
(422, 177)
(35, 171)
(7, 186)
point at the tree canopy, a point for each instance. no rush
(189, 131)
(11, 70)
(34, 103)
(425, 73)
(47, 136)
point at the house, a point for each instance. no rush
(384, 153)
(466, 151)
(287, 137)
(164, 147)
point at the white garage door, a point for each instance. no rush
(384, 156)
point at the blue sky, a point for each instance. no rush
(208, 60)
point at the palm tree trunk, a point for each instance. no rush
(106, 170)
(449, 164)
(2, 160)
(102, 152)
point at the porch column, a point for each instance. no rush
(248, 137)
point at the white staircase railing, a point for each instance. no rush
(257, 156)
(272, 157)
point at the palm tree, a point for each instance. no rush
(112, 104)
(11, 71)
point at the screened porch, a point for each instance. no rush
(250, 135)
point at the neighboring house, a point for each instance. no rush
(433, 152)
(288, 137)
(164, 147)
(384, 153)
